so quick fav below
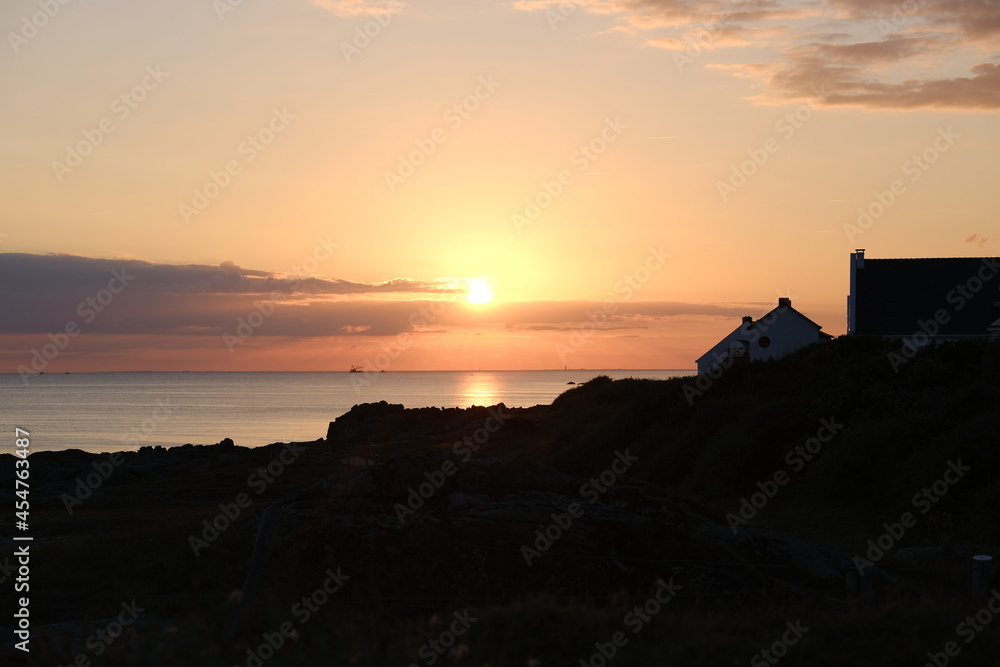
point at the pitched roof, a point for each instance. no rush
(788, 308)
(784, 306)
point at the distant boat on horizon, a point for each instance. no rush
(356, 369)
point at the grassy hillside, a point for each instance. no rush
(899, 429)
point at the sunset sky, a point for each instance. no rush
(330, 177)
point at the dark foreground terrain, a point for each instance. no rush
(819, 510)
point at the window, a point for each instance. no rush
(764, 341)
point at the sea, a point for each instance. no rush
(109, 412)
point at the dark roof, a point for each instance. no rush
(892, 296)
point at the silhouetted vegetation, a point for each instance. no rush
(698, 455)
(900, 429)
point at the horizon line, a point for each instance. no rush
(429, 370)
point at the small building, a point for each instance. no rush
(946, 298)
(780, 332)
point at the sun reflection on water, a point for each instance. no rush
(480, 389)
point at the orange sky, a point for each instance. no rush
(628, 177)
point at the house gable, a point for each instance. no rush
(779, 332)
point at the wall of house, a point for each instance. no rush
(785, 333)
(778, 333)
(719, 353)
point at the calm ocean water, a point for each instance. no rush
(104, 412)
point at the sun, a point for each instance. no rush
(479, 292)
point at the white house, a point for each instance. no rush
(781, 331)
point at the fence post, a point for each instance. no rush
(982, 571)
(267, 529)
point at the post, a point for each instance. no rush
(852, 585)
(869, 596)
(267, 529)
(982, 570)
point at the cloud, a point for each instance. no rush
(870, 53)
(976, 239)
(50, 291)
(539, 327)
(361, 7)
(27, 272)
(978, 19)
(826, 83)
(882, 54)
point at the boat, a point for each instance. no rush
(356, 369)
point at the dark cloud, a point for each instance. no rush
(841, 85)
(863, 53)
(57, 270)
(977, 19)
(47, 292)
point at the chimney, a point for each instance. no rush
(857, 264)
(747, 319)
(784, 302)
